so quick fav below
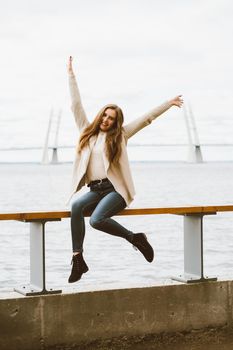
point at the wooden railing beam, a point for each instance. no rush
(28, 216)
(193, 240)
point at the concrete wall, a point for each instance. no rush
(38, 322)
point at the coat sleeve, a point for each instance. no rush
(140, 123)
(76, 104)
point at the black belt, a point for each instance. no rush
(97, 182)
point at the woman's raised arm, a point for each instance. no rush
(141, 122)
(76, 103)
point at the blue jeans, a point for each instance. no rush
(103, 205)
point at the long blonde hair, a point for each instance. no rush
(113, 137)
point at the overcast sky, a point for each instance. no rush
(136, 53)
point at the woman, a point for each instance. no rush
(101, 162)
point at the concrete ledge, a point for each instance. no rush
(43, 321)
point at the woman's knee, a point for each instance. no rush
(96, 222)
(76, 207)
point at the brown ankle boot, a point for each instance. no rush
(140, 242)
(78, 268)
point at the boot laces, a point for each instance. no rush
(76, 262)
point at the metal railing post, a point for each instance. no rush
(193, 250)
(37, 284)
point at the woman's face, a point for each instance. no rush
(108, 119)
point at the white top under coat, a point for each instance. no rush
(95, 169)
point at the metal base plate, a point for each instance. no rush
(29, 290)
(189, 278)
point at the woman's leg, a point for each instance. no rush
(100, 219)
(87, 202)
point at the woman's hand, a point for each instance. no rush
(69, 66)
(177, 101)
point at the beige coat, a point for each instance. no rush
(119, 175)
